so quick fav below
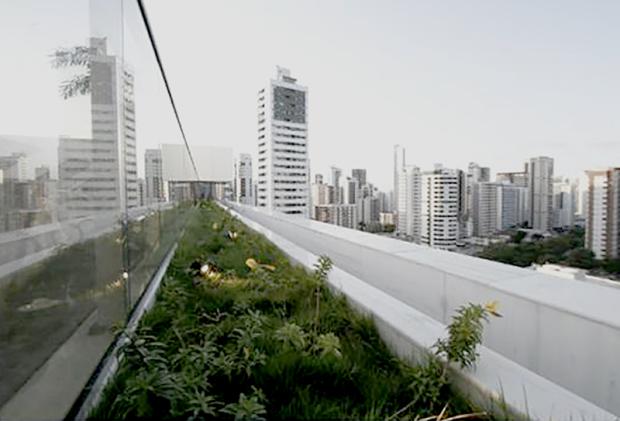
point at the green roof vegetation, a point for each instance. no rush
(238, 332)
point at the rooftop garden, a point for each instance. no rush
(238, 332)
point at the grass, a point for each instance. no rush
(243, 339)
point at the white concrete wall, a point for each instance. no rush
(567, 332)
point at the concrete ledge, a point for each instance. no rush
(498, 383)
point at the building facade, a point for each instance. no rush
(153, 176)
(486, 209)
(90, 170)
(243, 179)
(540, 183)
(513, 206)
(603, 213)
(564, 203)
(399, 164)
(283, 167)
(338, 214)
(410, 202)
(440, 208)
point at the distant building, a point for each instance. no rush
(154, 176)
(487, 208)
(564, 203)
(514, 207)
(399, 164)
(15, 167)
(410, 203)
(386, 218)
(100, 174)
(440, 208)
(343, 215)
(475, 174)
(321, 195)
(351, 191)
(360, 175)
(540, 179)
(141, 192)
(336, 191)
(603, 213)
(516, 178)
(243, 179)
(212, 177)
(283, 166)
(42, 173)
(368, 209)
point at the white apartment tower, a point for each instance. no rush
(399, 164)
(487, 208)
(283, 167)
(564, 203)
(603, 213)
(540, 179)
(243, 179)
(513, 205)
(337, 190)
(409, 202)
(440, 208)
(154, 178)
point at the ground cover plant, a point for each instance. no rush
(238, 332)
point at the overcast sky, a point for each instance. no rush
(453, 81)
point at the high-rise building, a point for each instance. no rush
(360, 175)
(516, 178)
(540, 180)
(336, 173)
(15, 167)
(243, 179)
(368, 209)
(154, 176)
(564, 203)
(410, 203)
(141, 192)
(440, 208)
(351, 191)
(100, 174)
(399, 164)
(42, 173)
(603, 213)
(343, 215)
(321, 195)
(487, 208)
(283, 167)
(475, 174)
(513, 205)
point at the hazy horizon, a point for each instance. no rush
(452, 82)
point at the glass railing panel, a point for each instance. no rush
(85, 215)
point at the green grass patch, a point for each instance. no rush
(244, 340)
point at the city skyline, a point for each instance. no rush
(454, 84)
(494, 104)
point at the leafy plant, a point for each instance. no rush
(321, 270)
(464, 335)
(328, 344)
(247, 408)
(292, 336)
